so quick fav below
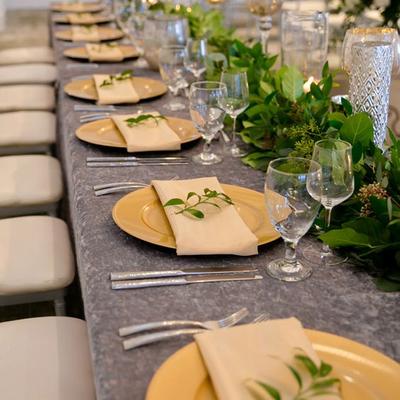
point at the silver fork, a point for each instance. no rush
(93, 117)
(94, 108)
(117, 189)
(115, 184)
(213, 324)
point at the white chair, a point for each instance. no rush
(27, 73)
(27, 97)
(36, 261)
(45, 358)
(27, 132)
(27, 55)
(30, 184)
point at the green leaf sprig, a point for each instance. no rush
(320, 384)
(127, 74)
(208, 197)
(134, 121)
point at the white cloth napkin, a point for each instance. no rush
(222, 231)
(103, 52)
(149, 135)
(117, 93)
(27, 127)
(27, 97)
(26, 55)
(28, 73)
(85, 33)
(77, 18)
(234, 356)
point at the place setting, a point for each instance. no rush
(77, 7)
(89, 33)
(83, 18)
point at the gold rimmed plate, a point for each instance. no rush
(95, 19)
(80, 53)
(77, 7)
(365, 374)
(146, 88)
(105, 133)
(104, 34)
(140, 214)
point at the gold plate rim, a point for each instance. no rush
(144, 197)
(101, 19)
(342, 350)
(79, 133)
(75, 52)
(104, 34)
(68, 88)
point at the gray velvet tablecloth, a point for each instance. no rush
(341, 299)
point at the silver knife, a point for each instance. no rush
(100, 164)
(145, 283)
(126, 275)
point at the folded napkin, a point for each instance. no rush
(238, 356)
(27, 55)
(83, 18)
(27, 97)
(30, 73)
(222, 231)
(73, 7)
(85, 33)
(119, 92)
(149, 135)
(104, 52)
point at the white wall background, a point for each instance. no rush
(12, 4)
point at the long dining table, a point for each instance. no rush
(339, 299)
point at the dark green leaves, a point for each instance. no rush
(357, 128)
(292, 82)
(209, 197)
(134, 121)
(270, 390)
(127, 74)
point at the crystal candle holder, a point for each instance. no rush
(370, 73)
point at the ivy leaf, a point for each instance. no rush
(174, 202)
(296, 375)
(348, 108)
(308, 363)
(358, 128)
(324, 369)
(324, 384)
(270, 390)
(196, 213)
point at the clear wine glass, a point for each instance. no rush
(292, 210)
(196, 53)
(172, 69)
(264, 9)
(123, 10)
(207, 116)
(335, 158)
(234, 103)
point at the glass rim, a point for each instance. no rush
(307, 160)
(372, 30)
(217, 84)
(347, 144)
(305, 13)
(372, 44)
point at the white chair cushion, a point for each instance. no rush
(29, 180)
(26, 55)
(27, 97)
(30, 73)
(35, 255)
(22, 128)
(45, 358)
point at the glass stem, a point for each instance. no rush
(264, 26)
(290, 255)
(234, 141)
(206, 148)
(326, 250)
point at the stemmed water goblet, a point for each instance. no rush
(264, 9)
(234, 103)
(292, 210)
(335, 158)
(172, 69)
(207, 116)
(195, 60)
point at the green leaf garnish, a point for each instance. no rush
(209, 197)
(134, 121)
(127, 74)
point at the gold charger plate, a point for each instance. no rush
(146, 88)
(81, 53)
(68, 7)
(141, 215)
(365, 373)
(97, 19)
(104, 34)
(105, 133)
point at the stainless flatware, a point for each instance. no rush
(82, 66)
(95, 108)
(188, 280)
(157, 336)
(213, 324)
(132, 164)
(93, 117)
(134, 158)
(127, 275)
(118, 189)
(117, 184)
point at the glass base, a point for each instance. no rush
(280, 269)
(175, 106)
(206, 158)
(317, 256)
(236, 151)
